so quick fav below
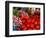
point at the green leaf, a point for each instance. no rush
(15, 12)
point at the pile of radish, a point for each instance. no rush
(26, 21)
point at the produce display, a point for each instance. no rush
(26, 19)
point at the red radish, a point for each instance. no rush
(36, 22)
(32, 26)
(28, 25)
(25, 28)
(37, 27)
(18, 29)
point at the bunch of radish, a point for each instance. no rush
(27, 23)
